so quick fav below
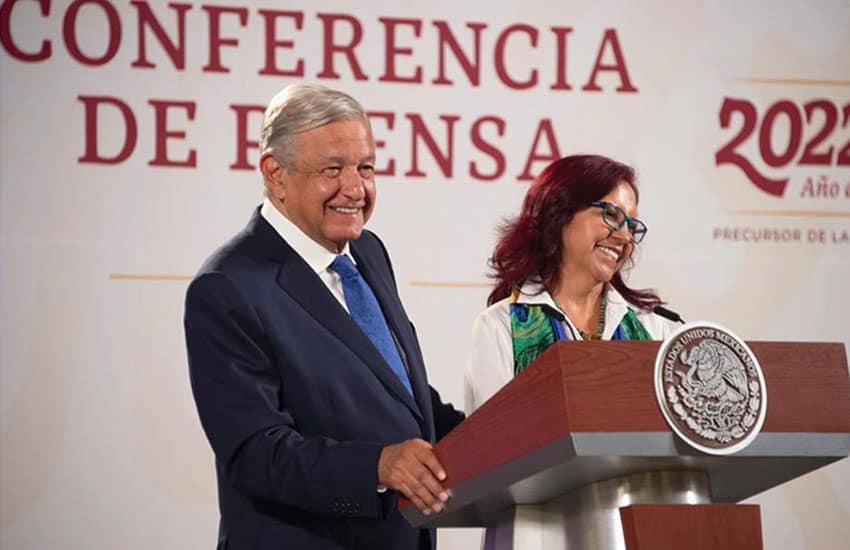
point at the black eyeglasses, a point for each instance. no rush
(614, 217)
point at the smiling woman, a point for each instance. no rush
(559, 276)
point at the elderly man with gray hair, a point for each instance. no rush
(307, 374)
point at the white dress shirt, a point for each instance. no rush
(317, 256)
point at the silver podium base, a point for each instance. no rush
(589, 517)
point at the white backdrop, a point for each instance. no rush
(101, 447)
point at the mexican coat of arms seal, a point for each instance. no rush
(710, 388)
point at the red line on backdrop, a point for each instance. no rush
(802, 81)
(792, 213)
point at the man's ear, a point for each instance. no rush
(273, 176)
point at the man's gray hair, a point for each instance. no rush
(299, 108)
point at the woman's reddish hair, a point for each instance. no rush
(529, 247)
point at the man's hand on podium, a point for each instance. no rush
(411, 468)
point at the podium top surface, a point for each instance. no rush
(586, 411)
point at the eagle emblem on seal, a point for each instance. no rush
(715, 373)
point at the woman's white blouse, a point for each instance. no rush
(491, 361)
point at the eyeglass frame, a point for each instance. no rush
(628, 221)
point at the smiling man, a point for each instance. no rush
(306, 371)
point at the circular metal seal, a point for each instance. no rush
(710, 388)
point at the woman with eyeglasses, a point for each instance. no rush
(559, 276)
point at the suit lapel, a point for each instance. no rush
(302, 284)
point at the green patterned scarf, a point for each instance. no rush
(535, 327)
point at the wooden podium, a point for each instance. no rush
(581, 429)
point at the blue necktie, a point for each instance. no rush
(366, 312)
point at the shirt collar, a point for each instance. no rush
(533, 292)
(317, 256)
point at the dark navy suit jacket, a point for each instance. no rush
(296, 401)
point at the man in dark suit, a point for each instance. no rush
(306, 371)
